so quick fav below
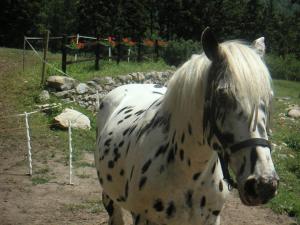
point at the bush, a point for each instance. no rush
(177, 52)
(286, 68)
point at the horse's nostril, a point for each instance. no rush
(250, 187)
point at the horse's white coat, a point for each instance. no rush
(189, 183)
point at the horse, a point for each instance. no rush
(164, 154)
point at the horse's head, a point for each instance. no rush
(236, 116)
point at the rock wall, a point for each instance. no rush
(85, 94)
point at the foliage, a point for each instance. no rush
(277, 20)
(177, 52)
(286, 67)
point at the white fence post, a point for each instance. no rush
(77, 41)
(128, 55)
(70, 150)
(28, 144)
(109, 54)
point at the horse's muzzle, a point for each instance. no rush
(260, 190)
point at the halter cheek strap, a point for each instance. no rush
(224, 158)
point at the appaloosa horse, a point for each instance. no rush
(163, 153)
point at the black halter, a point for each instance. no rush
(224, 157)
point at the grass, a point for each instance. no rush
(287, 154)
(22, 90)
(90, 206)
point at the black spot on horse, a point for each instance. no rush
(110, 133)
(127, 111)
(213, 168)
(109, 177)
(121, 143)
(158, 205)
(107, 142)
(110, 208)
(216, 212)
(158, 86)
(126, 189)
(221, 186)
(171, 209)
(126, 117)
(111, 164)
(171, 156)
(139, 112)
(132, 129)
(142, 182)
(189, 198)
(196, 176)
(182, 138)
(126, 107)
(189, 162)
(146, 166)
(126, 131)
(101, 105)
(190, 129)
(173, 137)
(202, 202)
(127, 149)
(156, 92)
(181, 154)
(131, 172)
(122, 172)
(120, 121)
(161, 150)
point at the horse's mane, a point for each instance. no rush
(247, 79)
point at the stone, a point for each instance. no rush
(94, 85)
(44, 96)
(294, 112)
(82, 88)
(61, 83)
(77, 119)
(64, 94)
(109, 81)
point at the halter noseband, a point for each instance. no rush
(252, 142)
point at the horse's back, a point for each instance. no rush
(130, 95)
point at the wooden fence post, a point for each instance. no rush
(119, 49)
(156, 50)
(64, 54)
(45, 44)
(97, 53)
(24, 47)
(139, 50)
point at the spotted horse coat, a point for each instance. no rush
(160, 152)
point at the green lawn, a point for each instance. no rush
(286, 134)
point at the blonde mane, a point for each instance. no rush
(248, 80)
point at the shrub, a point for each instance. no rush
(177, 52)
(286, 68)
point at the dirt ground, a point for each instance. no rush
(57, 202)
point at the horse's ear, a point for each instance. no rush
(210, 44)
(259, 45)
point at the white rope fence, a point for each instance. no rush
(28, 135)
